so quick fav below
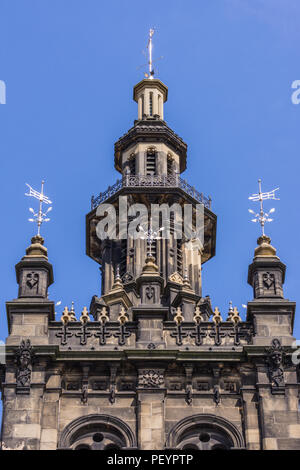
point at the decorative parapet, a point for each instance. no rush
(150, 181)
(124, 332)
(209, 333)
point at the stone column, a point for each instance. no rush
(50, 412)
(151, 409)
(250, 415)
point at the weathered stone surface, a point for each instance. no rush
(159, 367)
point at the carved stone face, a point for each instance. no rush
(276, 358)
(25, 359)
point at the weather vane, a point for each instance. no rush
(40, 216)
(150, 235)
(150, 73)
(262, 217)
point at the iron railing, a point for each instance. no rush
(154, 181)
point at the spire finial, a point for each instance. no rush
(118, 280)
(262, 217)
(149, 47)
(40, 216)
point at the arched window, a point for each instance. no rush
(204, 432)
(170, 165)
(97, 432)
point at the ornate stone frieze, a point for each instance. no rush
(24, 359)
(150, 378)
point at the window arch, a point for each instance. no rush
(97, 432)
(204, 432)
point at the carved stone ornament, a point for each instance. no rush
(268, 280)
(84, 394)
(189, 394)
(175, 277)
(24, 358)
(150, 291)
(32, 279)
(127, 277)
(216, 394)
(151, 379)
(275, 364)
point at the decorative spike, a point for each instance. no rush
(118, 277)
(217, 316)
(197, 317)
(85, 317)
(103, 316)
(122, 318)
(235, 318)
(72, 316)
(178, 317)
(118, 281)
(186, 281)
(65, 318)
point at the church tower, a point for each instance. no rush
(151, 364)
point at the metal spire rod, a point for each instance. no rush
(262, 217)
(40, 216)
(149, 46)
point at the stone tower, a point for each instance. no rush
(151, 365)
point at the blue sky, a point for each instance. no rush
(69, 68)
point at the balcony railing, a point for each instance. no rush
(150, 181)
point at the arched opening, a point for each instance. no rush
(97, 432)
(204, 432)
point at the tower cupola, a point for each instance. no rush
(150, 94)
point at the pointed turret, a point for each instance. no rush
(266, 274)
(34, 272)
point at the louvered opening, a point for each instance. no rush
(151, 162)
(170, 166)
(151, 104)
